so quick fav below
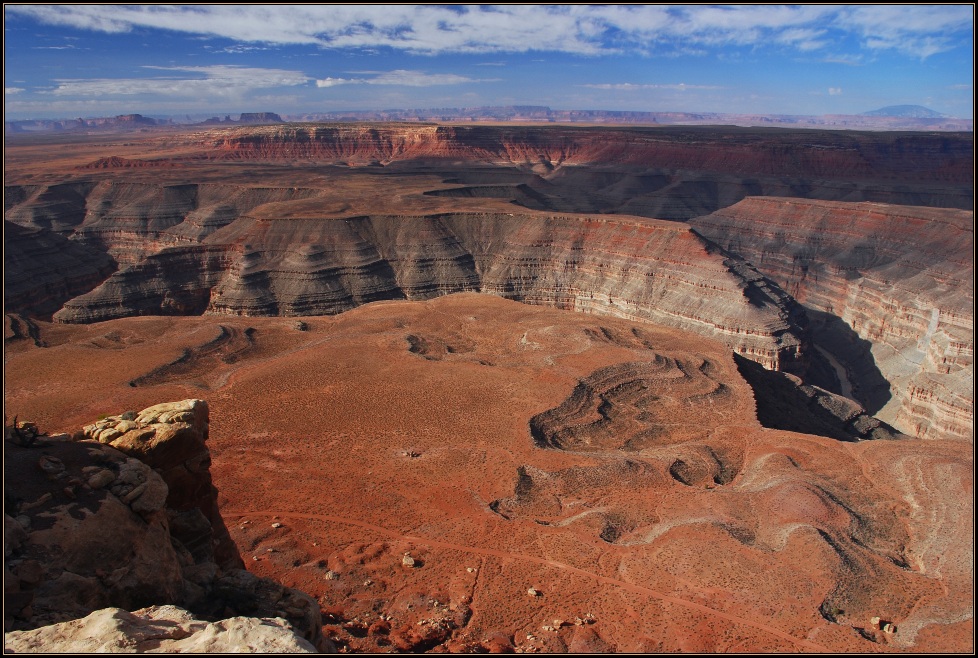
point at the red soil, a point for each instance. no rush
(403, 428)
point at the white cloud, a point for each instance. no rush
(966, 86)
(847, 60)
(803, 39)
(10, 91)
(835, 91)
(226, 81)
(238, 49)
(403, 78)
(334, 82)
(917, 30)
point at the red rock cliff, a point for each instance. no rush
(624, 267)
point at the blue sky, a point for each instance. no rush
(102, 60)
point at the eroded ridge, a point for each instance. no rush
(228, 345)
(635, 405)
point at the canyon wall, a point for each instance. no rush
(901, 278)
(624, 267)
(130, 219)
(812, 154)
(666, 173)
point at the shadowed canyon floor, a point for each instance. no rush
(472, 473)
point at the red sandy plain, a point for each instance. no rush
(404, 428)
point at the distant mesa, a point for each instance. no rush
(260, 117)
(135, 118)
(122, 121)
(906, 112)
(246, 118)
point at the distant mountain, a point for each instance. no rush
(906, 112)
(120, 122)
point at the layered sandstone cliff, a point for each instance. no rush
(823, 154)
(131, 219)
(303, 228)
(668, 173)
(900, 278)
(195, 248)
(624, 267)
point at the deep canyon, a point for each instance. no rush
(770, 369)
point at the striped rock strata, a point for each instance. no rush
(901, 278)
(623, 266)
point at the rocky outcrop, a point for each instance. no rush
(158, 629)
(170, 438)
(85, 528)
(624, 267)
(88, 526)
(900, 279)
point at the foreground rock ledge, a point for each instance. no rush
(130, 520)
(158, 629)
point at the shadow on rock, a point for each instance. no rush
(851, 353)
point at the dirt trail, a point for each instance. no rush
(806, 644)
